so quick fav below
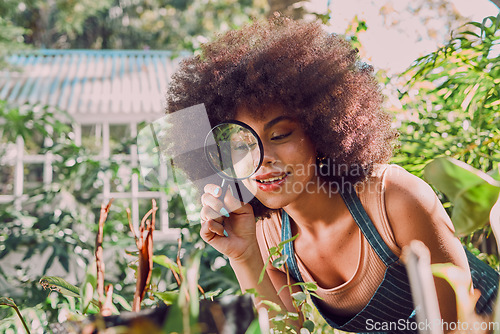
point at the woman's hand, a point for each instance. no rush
(236, 218)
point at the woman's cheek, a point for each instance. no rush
(250, 185)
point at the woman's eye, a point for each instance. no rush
(283, 136)
(244, 146)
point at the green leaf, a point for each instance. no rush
(88, 287)
(86, 294)
(185, 311)
(254, 327)
(472, 192)
(263, 271)
(50, 261)
(164, 261)
(122, 301)
(5, 301)
(281, 244)
(306, 309)
(192, 277)
(311, 286)
(280, 261)
(495, 223)
(471, 209)
(168, 297)
(212, 294)
(284, 286)
(253, 292)
(274, 251)
(315, 295)
(299, 296)
(279, 318)
(272, 306)
(174, 322)
(309, 325)
(60, 285)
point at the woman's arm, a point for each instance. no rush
(277, 277)
(241, 246)
(415, 212)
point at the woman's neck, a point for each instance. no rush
(312, 211)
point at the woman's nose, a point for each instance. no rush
(269, 156)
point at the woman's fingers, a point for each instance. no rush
(208, 200)
(210, 229)
(215, 210)
(213, 189)
(213, 196)
(208, 213)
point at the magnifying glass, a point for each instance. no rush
(234, 151)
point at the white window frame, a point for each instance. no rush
(163, 233)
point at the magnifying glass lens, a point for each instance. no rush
(233, 150)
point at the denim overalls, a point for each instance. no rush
(392, 301)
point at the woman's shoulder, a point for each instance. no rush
(401, 205)
(381, 170)
(268, 232)
(394, 179)
(404, 188)
(413, 208)
(398, 189)
(269, 229)
(375, 185)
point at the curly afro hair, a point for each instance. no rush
(317, 77)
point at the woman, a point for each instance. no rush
(324, 177)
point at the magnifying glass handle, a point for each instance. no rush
(235, 191)
(223, 188)
(233, 187)
(224, 185)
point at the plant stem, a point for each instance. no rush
(99, 253)
(22, 320)
(301, 316)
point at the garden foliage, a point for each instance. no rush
(451, 105)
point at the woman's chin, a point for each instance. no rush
(275, 203)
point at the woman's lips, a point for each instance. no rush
(270, 181)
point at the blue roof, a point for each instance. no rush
(92, 85)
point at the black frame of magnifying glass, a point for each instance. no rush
(252, 131)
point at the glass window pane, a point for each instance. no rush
(34, 142)
(6, 180)
(122, 181)
(33, 177)
(117, 220)
(119, 138)
(85, 175)
(92, 138)
(176, 211)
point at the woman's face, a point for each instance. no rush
(288, 167)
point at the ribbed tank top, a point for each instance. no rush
(352, 296)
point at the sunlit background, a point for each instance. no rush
(399, 31)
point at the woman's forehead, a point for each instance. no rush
(263, 114)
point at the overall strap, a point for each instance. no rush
(286, 233)
(361, 218)
(366, 226)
